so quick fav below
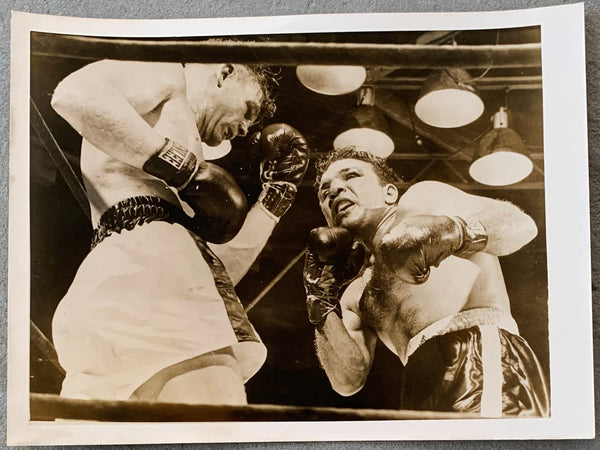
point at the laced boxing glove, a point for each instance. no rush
(281, 154)
(419, 242)
(332, 261)
(219, 205)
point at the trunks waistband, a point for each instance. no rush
(134, 211)
(461, 321)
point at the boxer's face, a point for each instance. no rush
(352, 196)
(231, 107)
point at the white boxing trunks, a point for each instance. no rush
(144, 299)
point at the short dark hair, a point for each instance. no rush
(267, 79)
(381, 168)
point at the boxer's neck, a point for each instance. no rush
(200, 84)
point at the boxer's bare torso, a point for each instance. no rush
(126, 109)
(397, 310)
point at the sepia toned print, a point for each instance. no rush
(107, 315)
(316, 227)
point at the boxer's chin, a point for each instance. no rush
(212, 141)
(211, 138)
(346, 220)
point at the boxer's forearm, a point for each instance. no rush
(507, 227)
(239, 254)
(105, 102)
(346, 365)
(108, 122)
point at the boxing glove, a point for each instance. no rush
(333, 259)
(417, 243)
(219, 205)
(282, 154)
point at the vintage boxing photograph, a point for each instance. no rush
(274, 227)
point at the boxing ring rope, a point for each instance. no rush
(397, 56)
(45, 346)
(275, 280)
(49, 406)
(58, 157)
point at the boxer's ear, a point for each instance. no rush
(391, 194)
(225, 70)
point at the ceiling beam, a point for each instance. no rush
(376, 75)
(537, 156)
(523, 185)
(398, 110)
(473, 186)
(289, 53)
(437, 37)
(483, 84)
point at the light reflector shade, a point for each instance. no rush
(216, 152)
(501, 168)
(366, 129)
(366, 139)
(501, 160)
(447, 100)
(331, 80)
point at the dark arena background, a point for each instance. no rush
(272, 291)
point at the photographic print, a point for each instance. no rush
(348, 221)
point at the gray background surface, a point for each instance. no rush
(157, 9)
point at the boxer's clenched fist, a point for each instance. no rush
(219, 204)
(333, 260)
(281, 154)
(417, 243)
(285, 154)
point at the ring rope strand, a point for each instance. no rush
(50, 406)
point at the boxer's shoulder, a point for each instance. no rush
(423, 194)
(431, 197)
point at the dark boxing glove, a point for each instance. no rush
(333, 259)
(219, 205)
(282, 155)
(419, 242)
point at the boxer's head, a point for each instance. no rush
(355, 189)
(227, 99)
(381, 168)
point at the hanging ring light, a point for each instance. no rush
(366, 127)
(331, 80)
(448, 99)
(502, 157)
(216, 152)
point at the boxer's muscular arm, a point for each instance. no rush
(286, 160)
(508, 228)
(240, 253)
(105, 102)
(346, 348)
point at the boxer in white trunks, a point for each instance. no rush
(152, 313)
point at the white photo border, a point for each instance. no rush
(567, 208)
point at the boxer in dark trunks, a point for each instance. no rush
(420, 272)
